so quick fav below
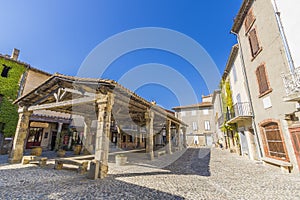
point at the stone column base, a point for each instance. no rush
(151, 155)
(97, 170)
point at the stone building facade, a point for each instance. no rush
(199, 118)
(241, 114)
(43, 124)
(265, 55)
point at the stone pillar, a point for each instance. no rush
(179, 145)
(58, 141)
(184, 137)
(20, 136)
(119, 139)
(103, 134)
(138, 136)
(136, 140)
(168, 137)
(87, 135)
(149, 116)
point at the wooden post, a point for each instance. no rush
(184, 137)
(20, 136)
(178, 136)
(169, 137)
(87, 135)
(149, 116)
(103, 134)
(138, 136)
(58, 141)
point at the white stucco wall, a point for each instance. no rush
(290, 17)
(238, 86)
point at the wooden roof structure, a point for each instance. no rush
(79, 96)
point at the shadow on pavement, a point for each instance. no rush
(192, 162)
(32, 182)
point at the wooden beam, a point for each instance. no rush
(79, 101)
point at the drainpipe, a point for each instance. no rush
(283, 37)
(259, 149)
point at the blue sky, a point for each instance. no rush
(57, 36)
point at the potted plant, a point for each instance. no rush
(61, 153)
(77, 149)
(121, 159)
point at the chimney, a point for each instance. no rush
(15, 54)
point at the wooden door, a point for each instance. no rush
(295, 134)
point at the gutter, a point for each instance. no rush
(283, 37)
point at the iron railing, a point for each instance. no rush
(239, 110)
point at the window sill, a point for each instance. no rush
(265, 93)
(277, 161)
(257, 53)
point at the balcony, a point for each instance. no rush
(292, 85)
(242, 111)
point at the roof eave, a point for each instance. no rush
(232, 56)
(238, 21)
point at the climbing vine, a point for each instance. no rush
(227, 103)
(9, 87)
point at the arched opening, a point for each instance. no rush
(274, 144)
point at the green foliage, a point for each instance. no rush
(226, 127)
(227, 104)
(9, 89)
(226, 95)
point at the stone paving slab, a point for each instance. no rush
(191, 174)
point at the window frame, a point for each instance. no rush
(266, 145)
(5, 71)
(251, 43)
(207, 126)
(195, 126)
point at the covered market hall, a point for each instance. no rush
(121, 116)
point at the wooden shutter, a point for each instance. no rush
(253, 42)
(249, 20)
(274, 140)
(262, 79)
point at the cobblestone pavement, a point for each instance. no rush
(190, 174)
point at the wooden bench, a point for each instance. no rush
(41, 161)
(82, 164)
(160, 153)
(285, 167)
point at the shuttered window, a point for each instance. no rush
(262, 79)
(275, 146)
(253, 40)
(195, 127)
(249, 20)
(207, 125)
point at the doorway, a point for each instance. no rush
(34, 137)
(295, 134)
(53, 140)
